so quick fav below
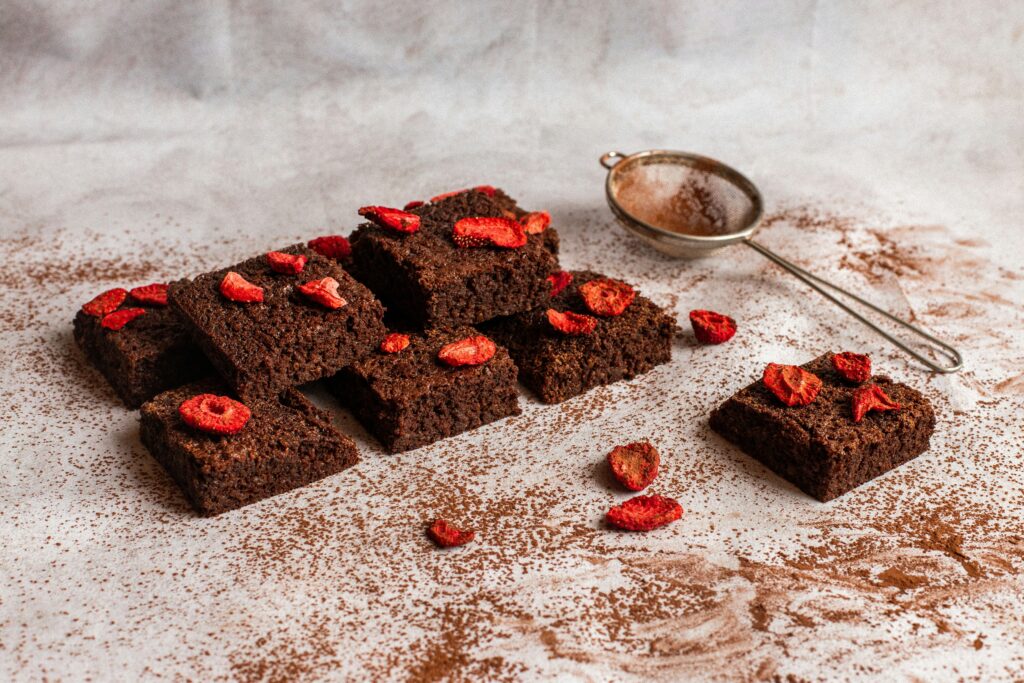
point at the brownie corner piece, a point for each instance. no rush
(287, 443)
(818, 447)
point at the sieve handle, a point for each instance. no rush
(818, 284)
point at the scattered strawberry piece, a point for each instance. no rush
(483, 230)
(287, 264)
(118, 319)
(643, 513)
(712, 328)
(488, 190)
(323, 291)
(154, 295)
(331, 246)
(446, 195)
(104, 303)
(607, 297)
(447, 536)
(469, 351)
(237, 288)
(414, 204)
(214, 414)
(792, 385)
(394, 342)
(392, 219)
(559, 281)
(571, 324)
(871, 397)
(635, 465)
(536, 222)
(854, 367)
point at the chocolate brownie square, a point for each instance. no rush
(430, 281)
(287, 339)
(818, 447)
(410, 398)
(149, 354)
(286, 443)
(557, 367)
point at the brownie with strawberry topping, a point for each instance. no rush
(419, 388)
(594, 330)
(805, 423)
(279, 319)
(458, 259)
(224, 454)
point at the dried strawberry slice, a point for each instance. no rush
(536, 222)
(447, 536)
(644, 513)
(237, 288)
(118, 319)
(153, 295)
(323, 291)
(394, 342)
(104, 303)
(607, 297)
(559, 281)
(483, 230)
(392, 219)
(214, 414)
(854, 367)
(331, 246)
(484, 189)
(571, 324)
(792, 385)
(287, 264)
(414, 204)
(488, 190)
(469, 351)
(871, 397)
(635, 465)
(712, 328)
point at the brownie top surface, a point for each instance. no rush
(430, 250)
(155, 330)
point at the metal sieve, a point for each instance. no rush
(688, 206)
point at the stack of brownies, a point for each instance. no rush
(421, 324)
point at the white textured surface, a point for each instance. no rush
(147, 140)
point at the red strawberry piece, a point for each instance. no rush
(394, 342)
(712, 328)
(607, 297)
(854, 367)
(446, 195)
(323, 291)
(643, 513)
(331, 246)
(488, 190)
(118, 319)
(447, 536)
(635, 465)
(414, 204)
(153, 295)
(214, 414)
(392, 219)
(559, 281)
(286, 264)
(536, 222)
(571, 324)
(237, 288)
(479, 231)
(469, 351)
(107, 302)
(792, 385)
(871, 397)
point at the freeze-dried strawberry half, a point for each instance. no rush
(118, 319)
(447, 536)
(571, 324)
(394, 342)
(324, 292)
(485, 230)
(286, 264)
(791, 384)
(871, 397)
(485, 189)
(854, 367)
(152, 295)
(607, 297)
(635, 465)
(214, 414)
(559, 281)
(414, 204)
(237, 288)
(392, 219)
(644, 513)
(331, 246)
(536, 222)
(104, 303)
(469, 351)
(712, 328)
